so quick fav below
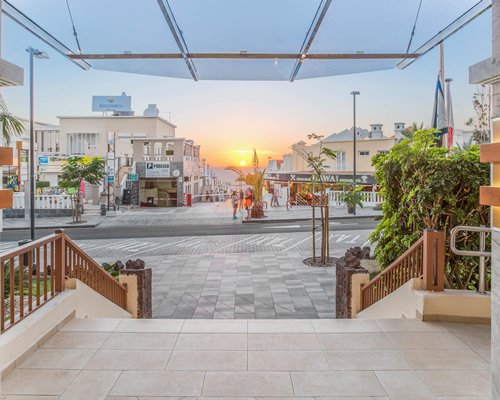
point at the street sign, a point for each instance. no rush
(43, 160)
(111, 179)
(133, 177)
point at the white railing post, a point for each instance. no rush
(369, 199)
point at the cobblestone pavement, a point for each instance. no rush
(232, 276)
(239, 276)
(241, 285)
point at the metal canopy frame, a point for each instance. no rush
(406, 58)
(244, 55)
(31, 26)
(471, 14)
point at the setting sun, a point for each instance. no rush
(243, 163)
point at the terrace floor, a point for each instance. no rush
(256, 359)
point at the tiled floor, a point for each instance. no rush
(256, 359)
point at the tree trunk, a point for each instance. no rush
(77, 207)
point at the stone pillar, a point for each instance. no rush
(143, 292)
(350, 277)
(488, 72)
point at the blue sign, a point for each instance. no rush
(111, 179)
(43, 160)
(133, 177)
(111, 103)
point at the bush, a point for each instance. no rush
(42, 184)
(428, 187)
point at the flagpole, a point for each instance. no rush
(441, 61)
(444, 139)
(449, 112)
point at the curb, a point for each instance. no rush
(65, 226)
(275, 221)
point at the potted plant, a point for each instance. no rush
(352, 197)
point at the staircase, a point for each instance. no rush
(35, 273)
(424, 259)
(255, 359)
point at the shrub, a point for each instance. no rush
(42, 184)
(428, 187)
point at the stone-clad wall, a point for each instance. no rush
(348, 266)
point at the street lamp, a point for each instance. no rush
(41, 55)
(354, 94)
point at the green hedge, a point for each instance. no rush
(429, 187)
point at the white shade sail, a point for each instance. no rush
(241, 39)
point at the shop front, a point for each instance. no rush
(159, 184)
(298, 185)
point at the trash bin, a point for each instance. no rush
(189, 200)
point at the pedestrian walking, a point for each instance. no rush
(242, 197)
(274, 199)
(235, 198)
(248, 202)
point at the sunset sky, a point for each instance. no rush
(229, 118)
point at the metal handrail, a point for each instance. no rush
(481, 253)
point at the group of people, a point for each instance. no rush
(242, 200)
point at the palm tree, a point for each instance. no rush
(10, 124)
(254, 179)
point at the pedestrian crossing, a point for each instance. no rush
(272, 242)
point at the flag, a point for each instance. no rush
(439, 120)
(449, 114)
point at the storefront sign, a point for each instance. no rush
(157, 169)
(43, 160)
(133, 177)
(111, 103)
(327, 178)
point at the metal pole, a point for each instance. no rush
(107, 170)
(32, 152)
(482, 263)
(354, 143)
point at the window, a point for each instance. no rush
(82, 143)
(340, 159)
(364, 153)
(157, 148)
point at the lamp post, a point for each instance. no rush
(354, 94)
(41, 55)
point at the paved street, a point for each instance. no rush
(219, 268)
(232, 276)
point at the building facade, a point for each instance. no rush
(368, 143)
(169, 171)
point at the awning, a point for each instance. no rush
(305, 177)
(241, 39)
